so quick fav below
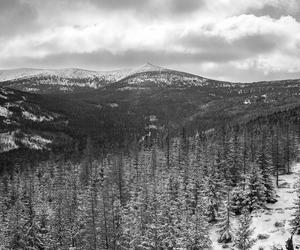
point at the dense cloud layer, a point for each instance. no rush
(225, 39)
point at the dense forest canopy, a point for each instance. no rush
(162, 192)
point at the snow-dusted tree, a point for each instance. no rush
(15, 215)
(243, 240)
(233, 159)
(132, 224)
(238, 198)
(169, 217)
(263, 162)
(214, 194)
(254, 189)
(192, 231)
(224, 220)
(33, 234)
(58, 219)
(295, 222)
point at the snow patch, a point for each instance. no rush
(113, 105)
(247, 101)
(5, 112)
(152, 118)
(3, 97)
(7, 142)
(36, 118)
(35, 142)
(32, 89)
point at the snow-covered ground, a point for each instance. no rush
(279, 213)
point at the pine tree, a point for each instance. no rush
(58, 223)
(233, 159)
(192, 232)
(15, 215)
(33, 237)
(224, 220)
(263, 163)
(168, 214)
(239, 197)
(295, 222)
(244, 232)
(132, 226)
(254, 189)
(214, 191)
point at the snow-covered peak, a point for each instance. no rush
(76, 73)
(6, 75)
(148, 67)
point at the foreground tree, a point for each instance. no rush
(243, 240)
(263, 162)
(295, 222)
(254, 189)
(224, 224)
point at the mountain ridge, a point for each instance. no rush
(17, 73)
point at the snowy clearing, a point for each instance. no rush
(279, 213)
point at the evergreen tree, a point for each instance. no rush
(224, 221)
(238, 198)
(263, 163)
(193, 226)
(254, 189)
(15, 215)
(243, 240)
(295, 222)
(214, 191)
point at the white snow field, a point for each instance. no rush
(274, 221)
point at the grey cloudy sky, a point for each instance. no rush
(239, 40)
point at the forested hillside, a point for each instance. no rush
(160, 192)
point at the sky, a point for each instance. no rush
(234, 40)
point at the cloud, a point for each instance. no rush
(124, 4)
(151, 8)
(106, 59)
(201, 36)
(16, 17)
(242, 47)
(277, 9)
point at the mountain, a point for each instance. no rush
(47, 81)
(55, 81)
(66, 80)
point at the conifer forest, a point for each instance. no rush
(161, 192)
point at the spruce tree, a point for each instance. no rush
(214, 191)
(224, 220)
(243, 240)
(264, 165)
(238, 197)
(295, 222)
(254, 189)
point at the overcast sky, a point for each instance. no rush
(239, 40)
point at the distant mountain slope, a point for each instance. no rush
(27, 127)
(66, 80)
(63, 80)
